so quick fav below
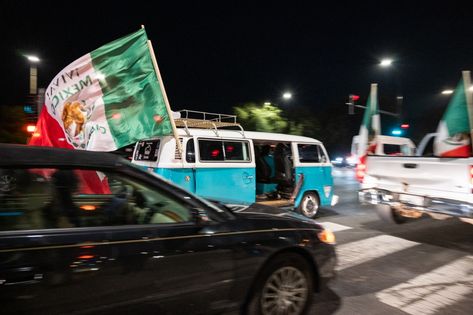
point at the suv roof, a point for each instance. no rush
(15, 154)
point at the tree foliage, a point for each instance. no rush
(256, 117)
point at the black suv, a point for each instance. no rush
(84, 232)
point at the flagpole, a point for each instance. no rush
(163, 91)
(469, 101)
(373, 100)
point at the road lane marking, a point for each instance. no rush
(358, 252)
(429, 292)
(334, 227)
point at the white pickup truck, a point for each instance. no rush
(408, 187)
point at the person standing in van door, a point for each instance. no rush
(267, 154)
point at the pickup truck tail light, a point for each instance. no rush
(360, 169)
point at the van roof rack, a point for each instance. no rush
(205, 120)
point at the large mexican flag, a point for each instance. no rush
(105, 100)
(453, 131)
(371, 124)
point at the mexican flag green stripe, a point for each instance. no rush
(108, 98)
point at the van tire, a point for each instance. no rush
(309, 205)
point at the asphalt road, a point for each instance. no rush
(422, 267)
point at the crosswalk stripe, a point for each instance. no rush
(431, 291)
(358, 252)
(334, 227)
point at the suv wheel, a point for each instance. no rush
(285, 286)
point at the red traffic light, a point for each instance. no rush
(355, 97)
(405, 126)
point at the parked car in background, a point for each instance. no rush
(89, 233)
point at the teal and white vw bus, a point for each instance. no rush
(241, 167)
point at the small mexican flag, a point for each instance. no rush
(105, 100)
(371, 124)
(453, 131)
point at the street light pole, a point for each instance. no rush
(33, 74)
(388, 63)
(33, 79)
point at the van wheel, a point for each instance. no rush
(309, 205)
(285, 286)
(389, 214)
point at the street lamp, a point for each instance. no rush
(386, 62)
(287, 95)
(447, 92)
(33, 58)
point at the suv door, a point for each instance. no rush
(82, 241)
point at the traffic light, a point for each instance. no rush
(352, 98)
(404, 126)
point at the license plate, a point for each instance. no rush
(416, 200)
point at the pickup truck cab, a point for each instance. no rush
(387, 145)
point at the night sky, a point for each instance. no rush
(216, 55)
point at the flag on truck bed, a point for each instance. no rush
(453, 131)
(371, 124)
(105, 100)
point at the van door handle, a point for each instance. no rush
(410, 165)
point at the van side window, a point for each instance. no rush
(218, 150)
(211, 150)
(322, 156)
(236, 151)
(190, 151)
(311, 153)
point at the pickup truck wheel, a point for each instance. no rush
(309, 205)
(389, 214)
(284, 286)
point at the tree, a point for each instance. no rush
(303, 121)
(12, 122)
(256, 117)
